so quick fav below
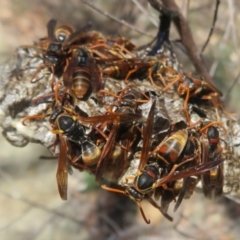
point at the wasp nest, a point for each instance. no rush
(126, 114)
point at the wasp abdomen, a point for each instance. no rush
(90, 153)
(81, 81)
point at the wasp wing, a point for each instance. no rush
(147, 134)
(107, 151)
(62, 170)
(191, 171)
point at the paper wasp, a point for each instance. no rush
(148, 177)
(98, 44)
(212, 181)
(55, 48)
(68, 125)
(179, 148)
(84, 36)
(81, 74)
(193, 88)
(190, 156)
(126, 69)
(122, 41)
(56, 36)
(150, 68)
(127, 100)
(52, 51)
(70, 130)
(91, 154)
(126, 132)
(121, 44)
(210, 150)
(171, 148)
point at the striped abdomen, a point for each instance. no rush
(81, 81)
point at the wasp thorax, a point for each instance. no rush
(54, 47)
(82, 56)
(189, 148)
(66, 123)
(146, 179)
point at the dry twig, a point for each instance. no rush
(184, 31)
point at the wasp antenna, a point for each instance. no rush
(31, 118)
(142, 212)
(112, 189)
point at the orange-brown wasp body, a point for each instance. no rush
(170, 149)
(148, 178)
(68, 130)
(190, 87)
(52, 48)
(212, 181)
(81, 74)
(119, 42)
(84, 36)
(75, 146)
(126, 69)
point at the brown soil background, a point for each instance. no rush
(30, 207)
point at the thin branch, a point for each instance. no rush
(121, 21)
(163, 8)
(185, 8)
(227, 94)
(41, 228)
(111, 223)
(232, 14)
(224, 39)
(185, 33)
(213, 25)
(233, 198)
(186, 235)
(7, 226)
(143, 10)
(42, 207)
